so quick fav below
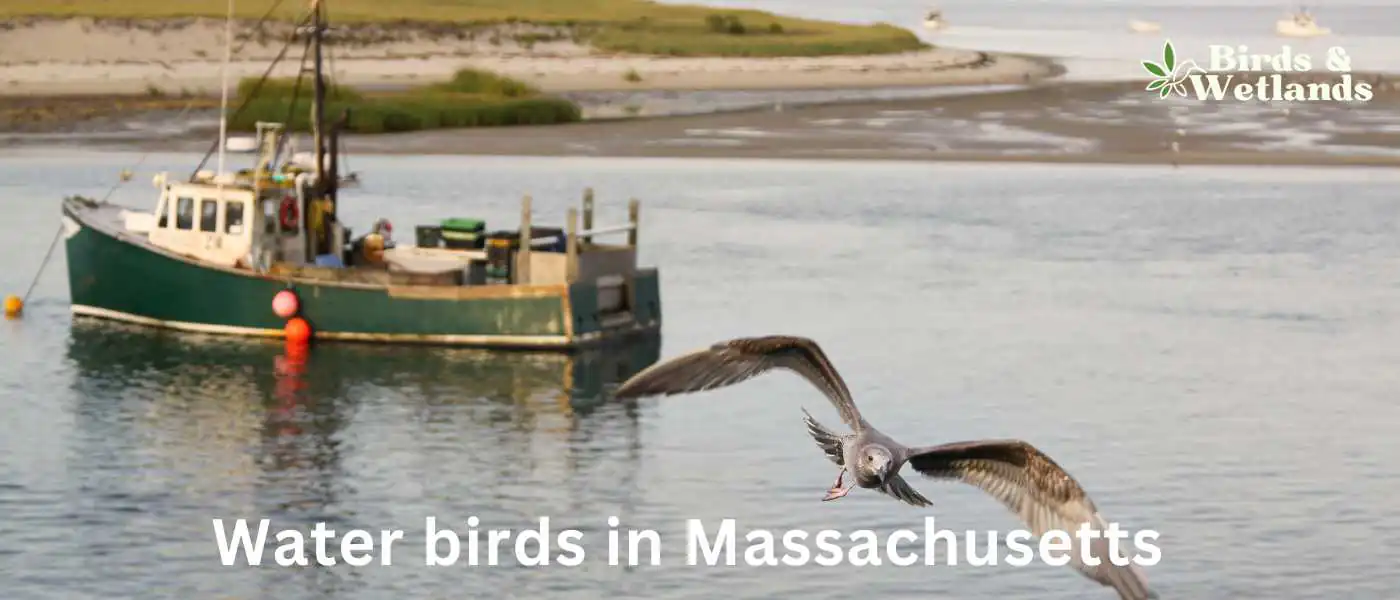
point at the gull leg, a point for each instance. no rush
(837, 491)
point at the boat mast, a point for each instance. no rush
(318, 99)
(316, 235)
(223, 102)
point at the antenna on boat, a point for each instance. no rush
(223, 101)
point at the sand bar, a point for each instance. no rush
(183, 56)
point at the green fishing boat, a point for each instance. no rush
(219, 247)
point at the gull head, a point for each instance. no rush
(876, 461)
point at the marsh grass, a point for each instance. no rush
(637, 26)
(288, 87)
(474, 81)
(470, 99)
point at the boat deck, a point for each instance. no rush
(405, 265)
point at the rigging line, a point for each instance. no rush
(282, 140)
(252, 93)
(259, 23)
(296, 91)
(343, 158)
(188, 105)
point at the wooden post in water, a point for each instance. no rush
(588, 214)
(633, 209)
(522, 257)
(571, 246)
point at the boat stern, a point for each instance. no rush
(609, 308)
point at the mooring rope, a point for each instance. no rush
(42, 264)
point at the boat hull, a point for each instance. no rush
(1143, 27)
(1289, 28)
(114, 276)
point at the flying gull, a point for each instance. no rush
(1014, 472)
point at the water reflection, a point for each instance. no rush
(112, 356)
(304, 435)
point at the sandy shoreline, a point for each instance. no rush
(1048, 123)
(109, 57)
(120, 86)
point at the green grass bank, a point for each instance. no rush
(635, 26)
(470, 99)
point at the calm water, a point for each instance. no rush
(1211, 352)
(1093, 34)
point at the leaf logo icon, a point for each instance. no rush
(1171, 75)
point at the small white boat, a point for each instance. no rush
(1300, 24)
(934, 20)
(1137, 26)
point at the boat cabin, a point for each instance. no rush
(227, 225)
(249, 219)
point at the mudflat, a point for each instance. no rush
(1051, 122)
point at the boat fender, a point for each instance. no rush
(285, 304)
(288, 212)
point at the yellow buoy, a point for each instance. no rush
(13, 306)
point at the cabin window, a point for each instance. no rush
(208, 215)
(233, 218)
(269, 210)
(184, 213)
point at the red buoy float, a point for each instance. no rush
(297, 331)
(285, 304)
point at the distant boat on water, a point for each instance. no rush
(1300, 24)
(934, 20)
(1138, 26)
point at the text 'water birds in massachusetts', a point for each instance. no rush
(1014, 472)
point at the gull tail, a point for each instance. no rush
(1128, 580)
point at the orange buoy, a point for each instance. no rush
(285, 304)
(298, 331)
(13, 306)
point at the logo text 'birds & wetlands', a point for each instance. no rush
(1237, 73)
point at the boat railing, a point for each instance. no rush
(584, 259)
(586, 235)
